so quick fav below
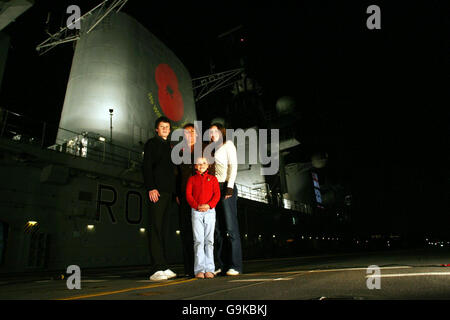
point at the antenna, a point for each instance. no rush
(214, 82)
(47, 24)
(65, 34)
(230, 31)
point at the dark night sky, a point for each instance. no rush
(375, 98)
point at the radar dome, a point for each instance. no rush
(319, 160)
(285, 105)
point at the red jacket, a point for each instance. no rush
(202, 189)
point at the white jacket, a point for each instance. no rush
(226, 164)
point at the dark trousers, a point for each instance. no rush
(158, 231)
(187, 239)
(227, 250)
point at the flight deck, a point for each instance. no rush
(389, 275)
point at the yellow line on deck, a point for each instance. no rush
(156, 285)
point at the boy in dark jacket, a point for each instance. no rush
(159, 178)
(203, 194)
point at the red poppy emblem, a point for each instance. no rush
(169, 96)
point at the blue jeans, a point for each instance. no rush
(227, 223)
(203, 224)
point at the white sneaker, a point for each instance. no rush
(217, 271)
(158, 276)
(170, 274)
(232, 272)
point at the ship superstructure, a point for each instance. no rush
(82, 202)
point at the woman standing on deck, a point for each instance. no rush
(225, 170)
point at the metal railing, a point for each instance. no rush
(93, 146)
(89, 145)
(247, 192)
(262, 195)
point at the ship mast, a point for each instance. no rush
(66, 34)
(208, 84)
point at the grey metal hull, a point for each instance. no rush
(65, 194)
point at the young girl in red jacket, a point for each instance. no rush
(203, 194)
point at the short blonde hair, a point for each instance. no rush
(201, 157)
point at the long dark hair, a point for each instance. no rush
(222, 130)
